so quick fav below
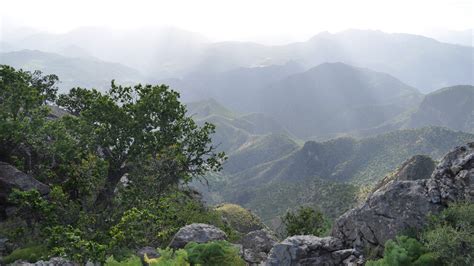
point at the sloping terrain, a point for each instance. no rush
(73, 72)
(335, 97)
(451, 107)
(328, 174)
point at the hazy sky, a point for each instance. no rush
(258, 20)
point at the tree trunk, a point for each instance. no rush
(106, 194)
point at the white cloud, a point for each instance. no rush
(243, 19)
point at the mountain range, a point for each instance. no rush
(163, 53)
(86, 72)
(269, 171)
(335, 97)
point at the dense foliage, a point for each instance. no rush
(116, 163)
(450, 235)
(448, 240)
(405, 251)
(220, 253)
(305, 221)
(213, 253)
(29, 254)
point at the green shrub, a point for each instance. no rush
(131, 261)
(405, 251)
(451, 235)
(31, 206)
(155, 222)
(305, 221)
(67, 241)
(213, 253)
(218, 253)
(30, 254)
(168, 257)
(136, 228)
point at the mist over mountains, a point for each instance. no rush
(166, 52)
(87, 72)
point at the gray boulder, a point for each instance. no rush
(56, 261)
(199, 233)
(402, 206)
(256, 245)
(11, 178)
(311, 250)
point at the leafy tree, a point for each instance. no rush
(143, 131)
(23, 99)
(139, 135)
(305, 221)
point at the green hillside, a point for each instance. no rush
(73, 72)
(259, 150)
(452, 107)
(324, 174)
(334, 98)
(233, 130)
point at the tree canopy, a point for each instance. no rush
(104, 156)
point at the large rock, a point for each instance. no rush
(56, 261)
(453, 178)
(199, 233)
(256, 245)
(311, 250)
(11, 178)
(416, 168)
(402, 206)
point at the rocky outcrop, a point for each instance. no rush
(397, 207)
(453, 178)
(199, 233)
(311, 250)
(11, 178)
(256, 245)
(416, 168)
(402, 206)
